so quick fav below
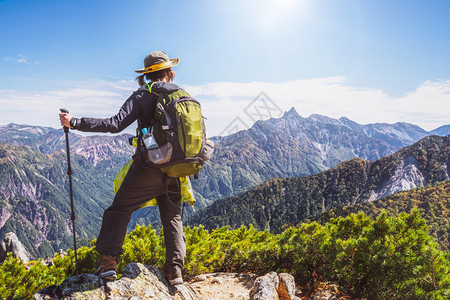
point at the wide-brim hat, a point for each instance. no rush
(158, 60)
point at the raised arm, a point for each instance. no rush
(128, 113)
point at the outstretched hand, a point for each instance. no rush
(65, 119)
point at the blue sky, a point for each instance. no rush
(371, 61)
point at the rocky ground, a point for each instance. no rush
(223, 286)
(147, 282)
(230, 286)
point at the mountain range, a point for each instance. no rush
(293, 146)
(106, 153)
(34, 185)
(281, 201)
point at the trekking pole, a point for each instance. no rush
(70, 172)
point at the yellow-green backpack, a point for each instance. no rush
(179, 130)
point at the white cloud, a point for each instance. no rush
(427, 106)
(94, 99)
(20, 59)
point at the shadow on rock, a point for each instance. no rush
(138, 280)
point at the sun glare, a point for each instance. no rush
(273, 15)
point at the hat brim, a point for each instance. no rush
(165, 65)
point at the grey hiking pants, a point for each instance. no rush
(141, 184)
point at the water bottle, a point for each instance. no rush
(209, 149)
(153, 150)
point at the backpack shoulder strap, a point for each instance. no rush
(149, 87)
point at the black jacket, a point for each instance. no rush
(141, 106)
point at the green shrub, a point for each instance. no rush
(18, 282)
(145, 246)
(386, 258)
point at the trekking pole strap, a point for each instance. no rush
(182, 210)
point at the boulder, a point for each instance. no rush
(273, 286)
(265, 287)
(12, 244)
(137, 282)
(286, 288)
(85, 286)
(201, 277)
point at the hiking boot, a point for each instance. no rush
(108, 267)
(174, 279)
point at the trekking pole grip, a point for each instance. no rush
(65, 111)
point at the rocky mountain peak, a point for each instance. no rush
(292, 113)
(352, 124)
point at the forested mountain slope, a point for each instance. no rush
(433, 202)
(281, 201)
(34, 198)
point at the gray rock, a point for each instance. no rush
(201, 277)
(47, 293)
(185, 292)
(265, 287)
(61, 253)
(138, 282)
(217, 281)
(324, 295)
(248, 279)
(286, 288)
(12, 244)
(85, 286)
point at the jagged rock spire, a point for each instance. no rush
(12, 244)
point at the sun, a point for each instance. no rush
(272, 15)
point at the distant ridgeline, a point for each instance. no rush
(282, 201)
(294, 146)
(34, 186)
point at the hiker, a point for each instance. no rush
(144, 181)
